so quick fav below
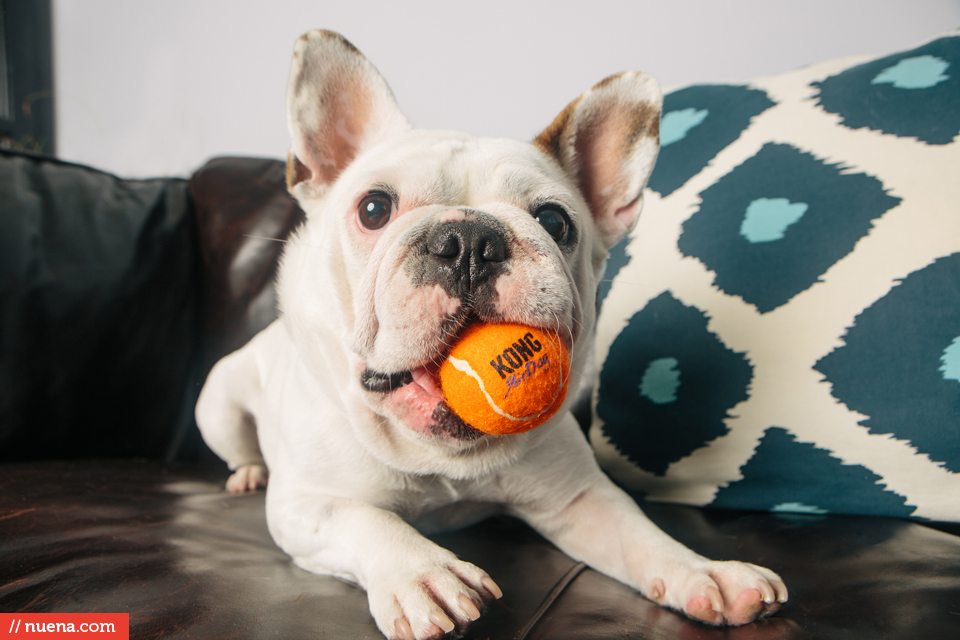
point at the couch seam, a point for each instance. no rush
(550, 598)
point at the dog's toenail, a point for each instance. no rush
(492, 588)
(469, 609)
(442, 621)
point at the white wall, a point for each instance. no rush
(156, 88)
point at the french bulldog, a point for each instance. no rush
(410, 237)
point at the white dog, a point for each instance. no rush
(411, 236)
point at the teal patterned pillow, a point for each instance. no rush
(782, 329)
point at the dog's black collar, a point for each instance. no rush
(384, 382)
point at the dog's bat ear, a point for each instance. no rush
(607, 141)
(338, 105)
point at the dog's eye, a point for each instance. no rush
(374, 210)
(555, 220)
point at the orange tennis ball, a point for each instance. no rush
(506, 378)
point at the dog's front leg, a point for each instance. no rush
(416, 589)
(594, 521)
(226, 420)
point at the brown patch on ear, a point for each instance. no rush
(653, 128)
(643, 121)
(297, 172)
(549, 139)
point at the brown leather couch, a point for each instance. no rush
(115, 299)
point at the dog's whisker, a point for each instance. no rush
(282, 240)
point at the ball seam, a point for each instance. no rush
(464, 367)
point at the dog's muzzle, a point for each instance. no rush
(464, 257)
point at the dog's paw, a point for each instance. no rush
(247, 478)
(732, 593)
(431, 600)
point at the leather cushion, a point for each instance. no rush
(167, 545)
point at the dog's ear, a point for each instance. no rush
(338, 105)
(607, 141)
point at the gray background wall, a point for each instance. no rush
(156, 88)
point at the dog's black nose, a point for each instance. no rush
(465, 255)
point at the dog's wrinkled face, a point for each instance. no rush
(411, 236)
(457, 230)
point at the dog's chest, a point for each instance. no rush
(436, 503)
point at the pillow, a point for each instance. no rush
(781, 331)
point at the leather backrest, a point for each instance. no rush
(99, 311)
(117, 296)
(244, 214)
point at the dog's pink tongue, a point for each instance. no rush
(426, 378)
